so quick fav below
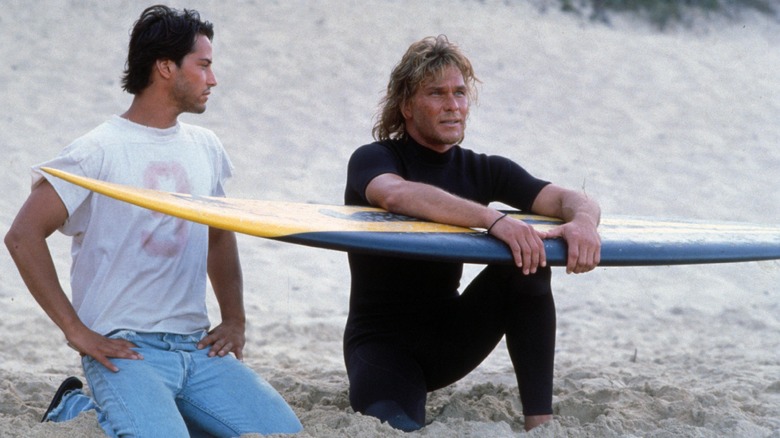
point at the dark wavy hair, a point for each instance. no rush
(425, 59)
(160, 33)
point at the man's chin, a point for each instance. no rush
(197, 110)
(451, 139)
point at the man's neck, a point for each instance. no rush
(439, 148)
(145, 112)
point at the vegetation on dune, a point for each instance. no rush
(664, 13)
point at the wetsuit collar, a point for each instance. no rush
(428, 155)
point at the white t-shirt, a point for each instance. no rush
(135, 269)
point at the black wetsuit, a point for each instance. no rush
(409, 331)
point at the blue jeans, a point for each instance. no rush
(178, 391)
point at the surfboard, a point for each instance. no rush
(626, 240)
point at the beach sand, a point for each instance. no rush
(681, 123)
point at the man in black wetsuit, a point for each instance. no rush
(409, 330)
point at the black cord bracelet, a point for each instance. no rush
(495, 222)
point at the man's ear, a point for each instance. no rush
(165, 67)
(406, 109)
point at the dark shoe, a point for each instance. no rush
(68, 385)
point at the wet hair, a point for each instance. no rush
(424, 60)
(160, 33)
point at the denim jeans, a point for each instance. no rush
(178, 391)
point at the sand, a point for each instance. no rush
(681, 123)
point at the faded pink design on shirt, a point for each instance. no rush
(166, 176)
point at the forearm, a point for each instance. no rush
(578, 206)
(569, 205)
(36, 267)
(231, 305)
(224, 269)
(428, 202)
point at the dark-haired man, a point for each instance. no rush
(138, 314)
(409, 331)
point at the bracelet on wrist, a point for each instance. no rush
(495, 222)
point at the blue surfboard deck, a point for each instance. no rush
(626, 241)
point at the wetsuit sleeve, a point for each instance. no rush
(513, 185)
(366, 163)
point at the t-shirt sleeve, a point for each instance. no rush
(366, 163)
(80, 158)
(513, 185)
(224, 168)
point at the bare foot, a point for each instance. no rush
(532, 421)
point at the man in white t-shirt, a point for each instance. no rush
(138, 278)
